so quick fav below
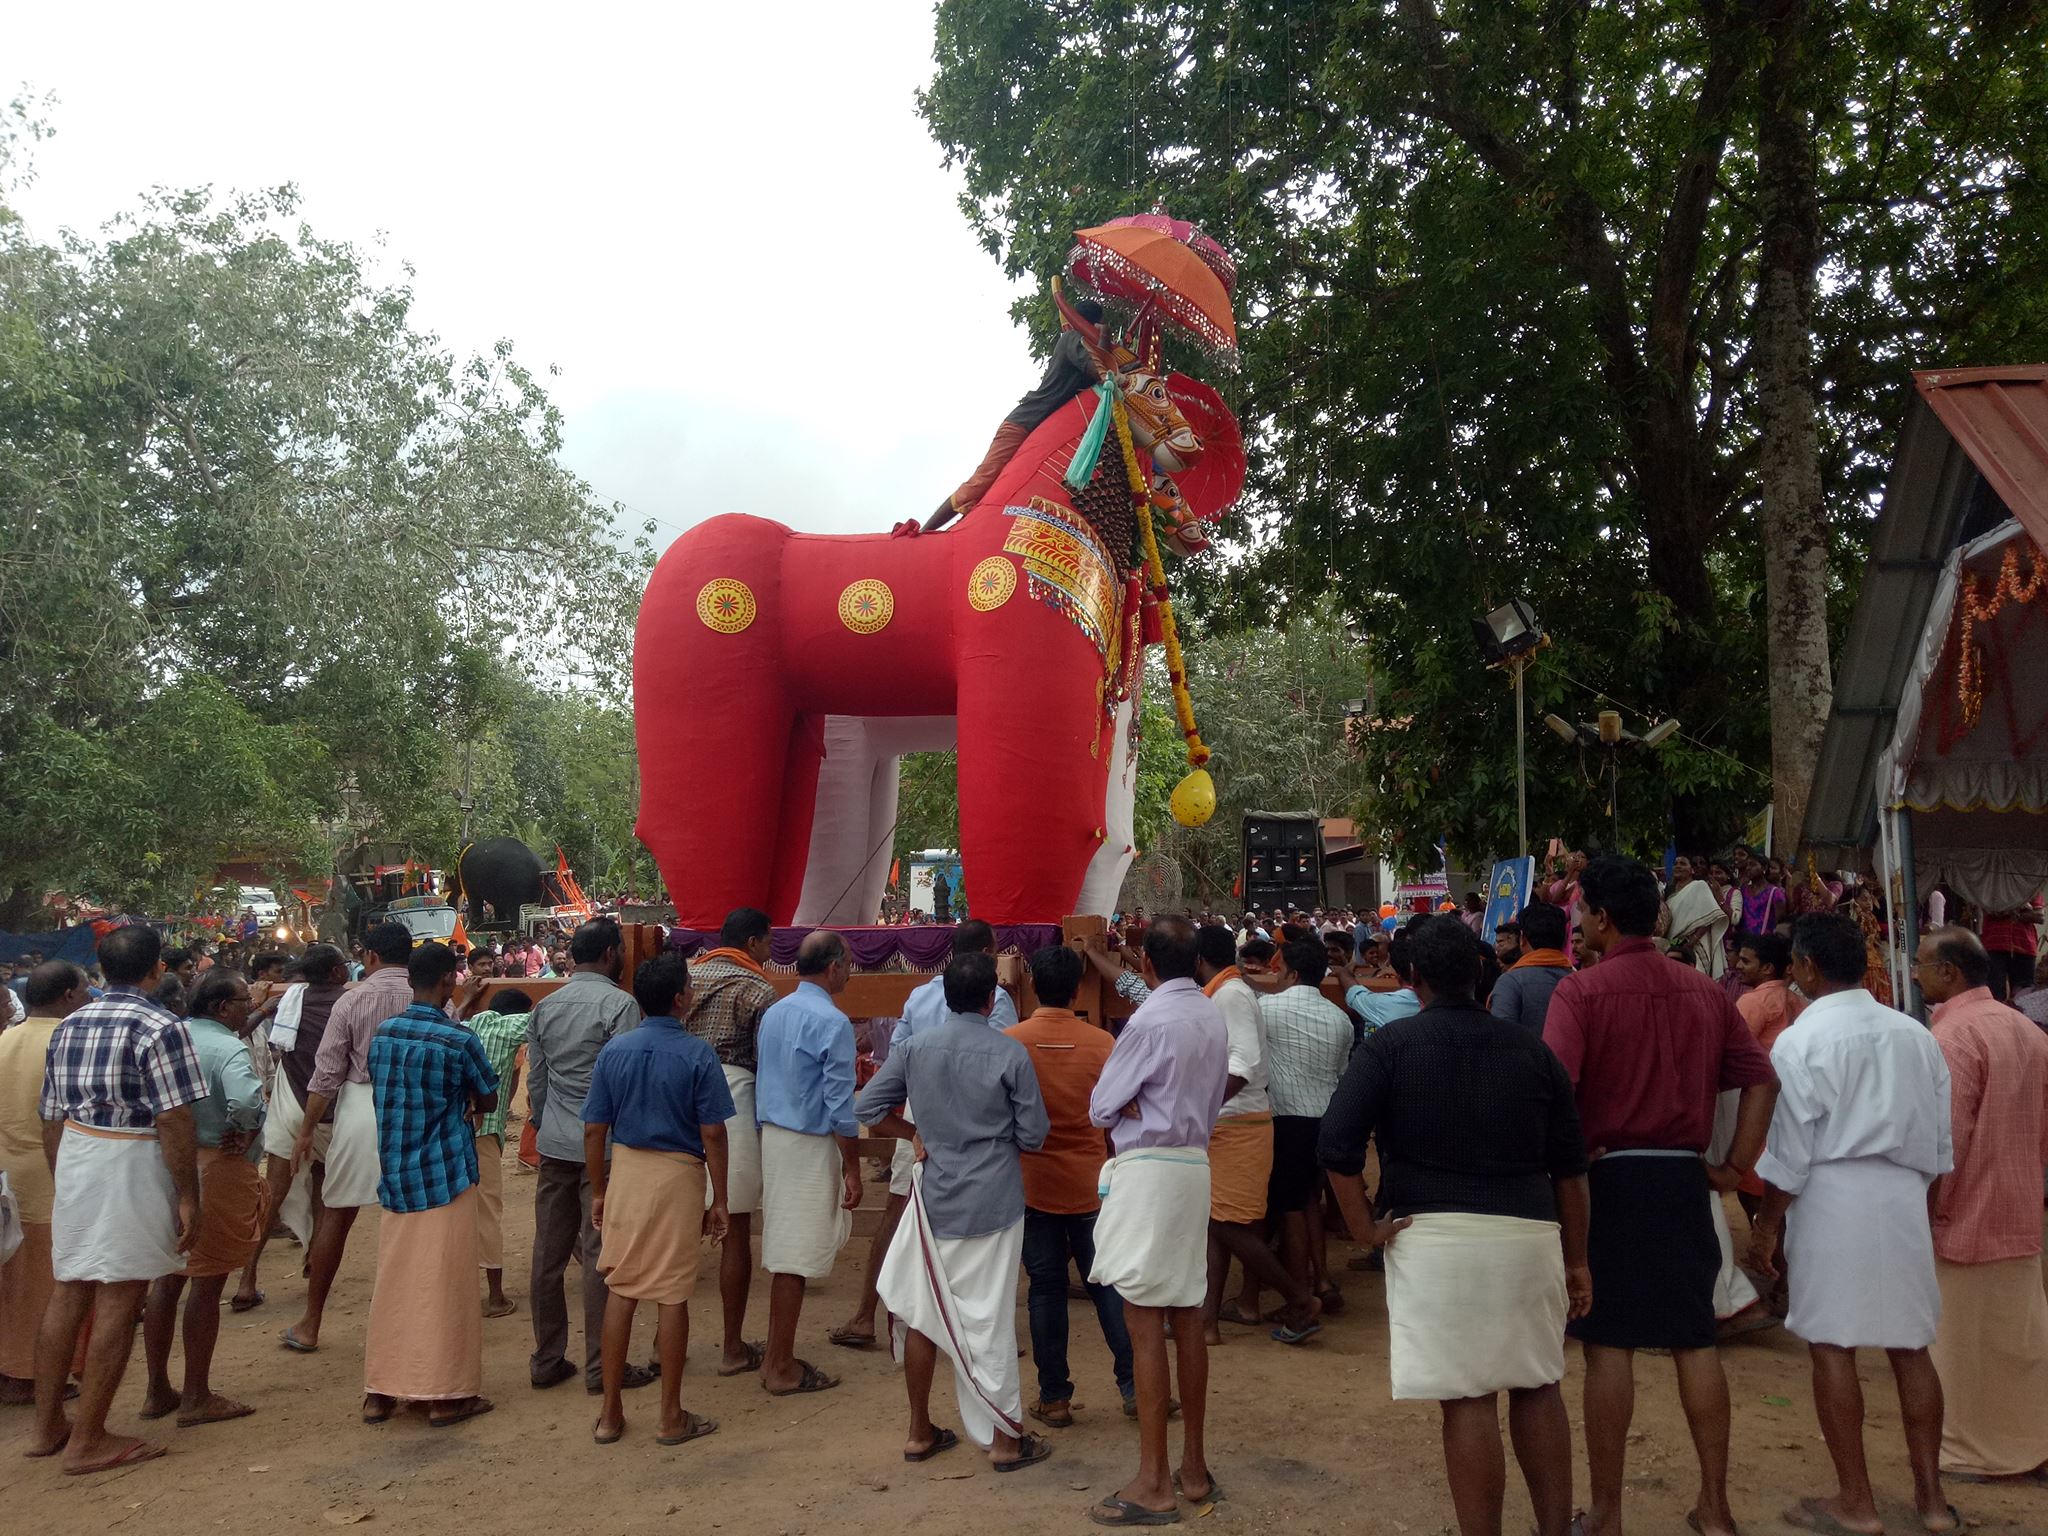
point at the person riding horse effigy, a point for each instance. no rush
(1071, 369)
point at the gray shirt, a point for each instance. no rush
(567, 1029)
(1522, 994)
(978, 1110)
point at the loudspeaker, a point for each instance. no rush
(1283, 860)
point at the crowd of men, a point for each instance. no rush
(1549, 1143)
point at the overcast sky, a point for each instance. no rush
(725, 224)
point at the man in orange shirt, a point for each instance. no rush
(1060, 1202)
(1991, 1343)
(1770, 1005)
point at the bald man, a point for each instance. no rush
(810, 1171)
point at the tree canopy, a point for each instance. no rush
(1497, 274)
(266, 540)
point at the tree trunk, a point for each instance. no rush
(1794, 526)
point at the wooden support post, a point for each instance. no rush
(1090, 1002)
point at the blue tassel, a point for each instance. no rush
(1089, 452)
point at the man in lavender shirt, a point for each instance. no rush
(1158, 1096)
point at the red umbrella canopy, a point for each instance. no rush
(1211, 484)
(1214, 257)
(1151, 269)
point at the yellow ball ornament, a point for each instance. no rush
(1194, 799)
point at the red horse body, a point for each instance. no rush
(766, 659)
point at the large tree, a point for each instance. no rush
(259, 535)
(1504, 272)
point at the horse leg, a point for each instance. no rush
(1034, 750)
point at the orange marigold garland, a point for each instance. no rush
(1970, 660)
(1155, 570)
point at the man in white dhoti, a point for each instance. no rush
(810, 1165)
(1159, 1096)
(341, 1078)
(1860, 1133)
(949, 1278)
(118, 1125)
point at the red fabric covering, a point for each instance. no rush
(730, 724)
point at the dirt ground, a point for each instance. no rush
(1301, 1439)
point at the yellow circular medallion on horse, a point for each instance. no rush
(726, 605)
(867, 606)
(990, 585)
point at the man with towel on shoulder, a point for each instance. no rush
(1484, 1181)
(234, 1212)
(949, 1279)
(810, 1165)
(341, 1079)
(1650, 1044)
(729, 993)
(429, 1075)
(1158, 1097)
(117, 1118)
(1241, 1147)
(660, 1095)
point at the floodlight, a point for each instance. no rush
(1509, 631)
(1564, 728)
(1660, 733)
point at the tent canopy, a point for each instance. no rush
(1972, 461)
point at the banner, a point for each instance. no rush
(1507, 892)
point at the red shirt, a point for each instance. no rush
(1649, 1043)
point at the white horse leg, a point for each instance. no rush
(853, 827)
(1105, 876)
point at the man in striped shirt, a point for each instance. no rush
(117, 1120)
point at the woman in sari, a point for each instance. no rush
(1698, 920)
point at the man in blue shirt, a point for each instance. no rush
(924, 1009)
(810, 1166)
(660, 1094)
(1374, 1011)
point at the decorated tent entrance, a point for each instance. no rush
(1936, 755)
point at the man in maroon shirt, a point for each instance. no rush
(1649, 1043)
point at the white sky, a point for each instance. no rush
(725, 223)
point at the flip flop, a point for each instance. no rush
(1807, 1515)
(506, 1310)
(1124, 1512)
(755, 1352)
(944, 1441)
(1301, 1335)
(1692, 1518)
(140, 1451)
(694, 1428)
(1213, 1496)
(246, 1303)
(476, 1407)
(812, 1380)
(230, 1409)
(390, 1412)
(1332, 1299)
(296, 1345)
(156, 1413)
(1031, 1450)
(846, 1338)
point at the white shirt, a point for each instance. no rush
(1857, 1080)
(1239, 1005)
(1308, 1042)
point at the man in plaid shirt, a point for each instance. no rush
(425, 1339)
(117, 1120)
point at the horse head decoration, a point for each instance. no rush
(778, 676)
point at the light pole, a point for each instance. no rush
(1607, 734)
(1508, 637)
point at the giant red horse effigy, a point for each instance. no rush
(778, 676)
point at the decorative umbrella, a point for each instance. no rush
(1158, 274)
(1214, 257)
(1211, 484)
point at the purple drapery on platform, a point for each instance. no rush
(923, 948)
